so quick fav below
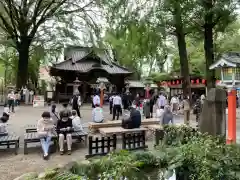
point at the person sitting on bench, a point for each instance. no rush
(64, 130)
(97, 114)
(76, 121)
(3, 126)
(45, 130)
(134, 121)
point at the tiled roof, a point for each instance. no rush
(87, 66)
(233, 57)
(75, 61)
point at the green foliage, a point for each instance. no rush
(194, 156)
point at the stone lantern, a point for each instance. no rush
(76, 84)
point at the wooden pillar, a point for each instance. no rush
(231, 137)
(101, 96)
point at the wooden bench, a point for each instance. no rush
(34, 138)
(31, 128)
(132, 139)
(117, 123)
(119, 130)
(100, 146)
(10, 139)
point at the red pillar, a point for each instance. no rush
(232, 117)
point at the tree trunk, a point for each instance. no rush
(208, 44)
(22, 72)
(182, 50)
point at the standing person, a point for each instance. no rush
(137, 101)
(167, 116)
(153, 101)
(27, 96)
(202, 99)
(161, 102)
(24, 93)
(97, 114)
(117, 103)
(174, 104)
(96, 99)
(65, 109)
(19, 97)
(197, 110)
(76, 103)
(31, 93)
(64, 130)
(76, 121)
(111, 103)
(186, 110)
(54, 114)
(45, 130)
(11, 100)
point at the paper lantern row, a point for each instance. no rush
(176, 82)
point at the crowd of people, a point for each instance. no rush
(67, 120)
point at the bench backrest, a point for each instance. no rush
(134, 141)
(101, 146)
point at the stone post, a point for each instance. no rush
(213, 116)
(76, 84)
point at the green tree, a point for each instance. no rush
(213, 17)
(26, 21)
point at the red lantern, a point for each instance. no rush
(197, 81)
(203, 81)
(177, 82)
(173, 82)
(192, 81)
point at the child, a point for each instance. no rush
(6, 111)
(3, 126)
(76, 121)
(45, 129)
(64, 130)
(97, 114)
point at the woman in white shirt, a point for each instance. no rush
(76, 121)
(174, 104)
(11, 100)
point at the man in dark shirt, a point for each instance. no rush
(134, 121)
